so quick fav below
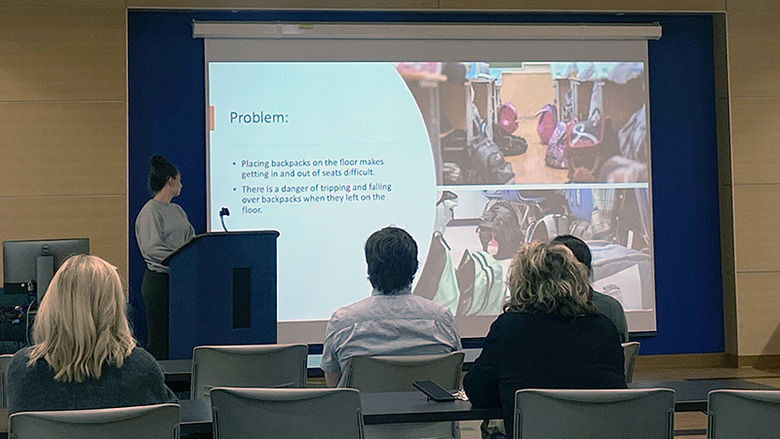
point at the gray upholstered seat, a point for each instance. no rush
(743, 414)
(242, 413)
(396, 374)
(630, 352)
(5, 361)
(594, 414)
(159, 421)
(281, 365)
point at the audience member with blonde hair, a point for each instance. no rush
(549, 336)
(84, 354)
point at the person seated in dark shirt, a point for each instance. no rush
(84, 355)
(550, 334)
(609, 306)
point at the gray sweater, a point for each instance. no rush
(611, 308)
(138, 382)
(160, 229)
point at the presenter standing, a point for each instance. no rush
(160, 228)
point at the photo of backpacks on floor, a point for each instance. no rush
(499, 229)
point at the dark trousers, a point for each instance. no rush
(154, 289)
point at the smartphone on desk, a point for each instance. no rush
(434, 391)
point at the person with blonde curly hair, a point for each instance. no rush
(550, 334)
(84, 354)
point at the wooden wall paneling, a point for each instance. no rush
(759, 308)
(102, 219)
(62, 53)
(720, 50)
(723, 134)
(728, 269)
(63, 148)
(756, 226)
(754, 88)
(588, 5)
(65, 3)
(509, 5)
(284, 4)
(754, 47)
(755, 136)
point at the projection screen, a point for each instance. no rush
(474, 138)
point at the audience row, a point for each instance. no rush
(555, 332)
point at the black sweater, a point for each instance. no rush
(544, 351)
(138, 382)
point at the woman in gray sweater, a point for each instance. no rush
(160, 228)
(84, 355)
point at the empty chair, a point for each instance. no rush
(5, 361)
(396, 374)
(159, 421)
(743, 414)
(241, 413)
(630, 351)
(282, 365)
(586, 414)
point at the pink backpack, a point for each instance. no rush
(548, 119)
(507, 117)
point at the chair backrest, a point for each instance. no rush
(396, 373)
(630, 351)
(5, 361)
(282, 365)
(602, 414)
(242, 413)
(159, 421)
(743, 414)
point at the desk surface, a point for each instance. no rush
(378, 408)
(403, 407)
(387, 408)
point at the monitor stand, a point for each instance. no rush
(44, 266)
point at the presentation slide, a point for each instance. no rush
(473, 159)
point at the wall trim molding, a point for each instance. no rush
(712, 360)
(672, 361)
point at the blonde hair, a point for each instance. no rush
(547, 278)
(81, 323)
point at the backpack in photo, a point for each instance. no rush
(487, 163)
(591, 142)
(437, 277)
(633, 137)
(555, 157)
(510, 145)
(454, 147)
(548, 119)
(499, 229)
(548, 227)
(481, 284)
(507, 118)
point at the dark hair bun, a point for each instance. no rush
(158, 161)
(160, 172)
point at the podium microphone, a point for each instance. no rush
(222, 214)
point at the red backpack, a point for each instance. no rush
(548, 119)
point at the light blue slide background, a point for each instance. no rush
(334, 110)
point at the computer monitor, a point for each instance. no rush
(28, 266)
